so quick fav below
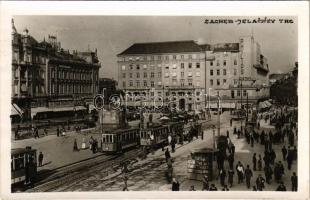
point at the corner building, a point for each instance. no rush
(48, 81)
(164, 73)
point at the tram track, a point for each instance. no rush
(83, 169)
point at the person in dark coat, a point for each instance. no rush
(205, 183)
(231, 160)
(248, 175)
(167, 154)
(281, 187)
(40, 159)
(254, 160)
(294, 181)
(268, 173)
(75, 147)
(260, 183)
(290, 158)
(284, 152)
(175, 185)
(58, 132)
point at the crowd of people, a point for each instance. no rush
(269, 168)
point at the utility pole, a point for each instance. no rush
(218, 114)
(103, 89)
(247, 105)
(240, 80)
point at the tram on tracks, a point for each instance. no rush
(120, 140)
(23, 165)
(154, 136)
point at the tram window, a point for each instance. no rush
(19, 162)
(103, 139)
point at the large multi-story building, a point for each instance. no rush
(47, 79)
(185, 74)
(163, 72)
(237, 71)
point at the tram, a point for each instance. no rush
(154, 136)
(120, 140)
(23, 165)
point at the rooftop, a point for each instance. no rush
(162, 47)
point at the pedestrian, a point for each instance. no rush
(175, 185)
(254, 188)
(231, 177)
(36, 133)
(173, 146)
(169, 139)
(58, 131)
(17, 132)
(260, 183)
(248, 175)
(294, 182)
(281, 187)
(252, 140)
(225, 188)
(45, 131)
(167, 154)
(254, 160)
(231, 122)
(259, 163)
(284, 152)
(40, 159)
(231, 160)
(240, 172)
(278, 171)
(258, 125)
(290, 157)
(75, 146)
(205, 182)
(268, 173)
(192, 188)
(222, 175)
(233, 149)
(125, 179)
(213, 188)
(295, 153)
(272, 156)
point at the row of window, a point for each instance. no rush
(71, 88)
(152, 83)
(159, 93)
(218, 82)
(62, 74)
(163, 57)
(174, 66)
(238, 92)
(224, 63)
(159, 74)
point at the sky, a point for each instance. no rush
(113, 34)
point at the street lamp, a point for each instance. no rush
(213, 133)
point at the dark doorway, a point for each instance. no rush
(182, 104)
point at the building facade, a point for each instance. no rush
(188, 75)
(47, 79)
(161, 73)
(238, 72)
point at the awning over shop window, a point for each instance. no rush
(14, 111)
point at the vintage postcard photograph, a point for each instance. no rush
(155, 103)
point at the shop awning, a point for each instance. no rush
(37, 110)
(14, 111)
